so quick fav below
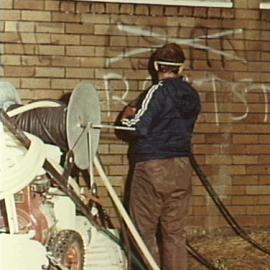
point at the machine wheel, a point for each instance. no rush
(67, 250)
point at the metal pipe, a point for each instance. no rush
(113, 127)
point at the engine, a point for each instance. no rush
(34, 211)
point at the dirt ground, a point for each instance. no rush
(227, 251)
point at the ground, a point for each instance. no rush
(227, 251)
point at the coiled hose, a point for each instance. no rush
(47, 124)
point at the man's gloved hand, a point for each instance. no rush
(129, 112)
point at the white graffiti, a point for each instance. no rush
(264, 89)
(109, 91)
(194, 43)
(159, 38)
(240, 89)
(125, 55)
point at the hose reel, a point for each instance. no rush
(66, 126)
(83, 111)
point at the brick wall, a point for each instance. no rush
(47, 47)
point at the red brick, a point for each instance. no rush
(157, 10)
(79, 28)
(29, 5)
(82, 7)
(142, 10)
(7, 4)
(67, 6)
(36, 15)
(97, 8)
(9, 15)
(11, 71)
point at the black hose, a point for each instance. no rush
(201, 259)
(49, 124)
(224, 211)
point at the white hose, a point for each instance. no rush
(125, 216)
(14, 177)
(32, 106)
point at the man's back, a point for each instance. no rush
(165, 121)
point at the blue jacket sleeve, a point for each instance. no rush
(149, 111)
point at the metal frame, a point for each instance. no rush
(195, 3)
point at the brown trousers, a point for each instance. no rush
(160, 193)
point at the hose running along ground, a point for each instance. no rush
(224, 211)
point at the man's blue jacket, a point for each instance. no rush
(165, 121)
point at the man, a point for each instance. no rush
(161, 183)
